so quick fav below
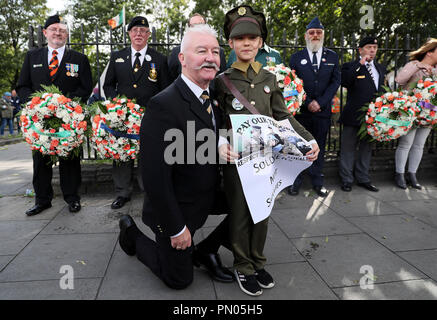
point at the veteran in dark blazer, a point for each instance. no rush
(318, 67)
(179, 183)
(363, 79)
(70, 71)
(138, 72)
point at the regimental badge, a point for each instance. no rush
(267, 89)
(215, 102)
(242, 11)
(72, 69)
(237, 105)
(148, 58)
(303, 61)
(153, 75)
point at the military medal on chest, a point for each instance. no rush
(72, 69)
(153, 74)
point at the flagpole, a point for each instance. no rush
(124, 26)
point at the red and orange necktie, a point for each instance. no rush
(53, 66)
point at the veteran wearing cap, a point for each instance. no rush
(363, 79)
(70, 71)
(244, 28)
(138, 72)
(319, 69)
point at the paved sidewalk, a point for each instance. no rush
(316, 248)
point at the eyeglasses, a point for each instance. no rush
(54, 30)
(313, 32)
(140, 31)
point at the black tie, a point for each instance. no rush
(137, 63)
(315, 65)
(207, 101)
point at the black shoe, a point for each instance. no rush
(400, 180)
(321, 191)
(411, 178)
(368, 186)
(248, 284)
(346, 187)
(127, 244)
(38, 208)
(293, 191)
(265, 280)
(119, 202)
(74, 206)
(212, 263)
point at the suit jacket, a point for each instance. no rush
(175, 68)
(180, 193)
(360, 90)
(35, 72)
(320, 86)
(122, 80)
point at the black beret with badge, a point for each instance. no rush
(54, 19)
(367, 40)
(243, 20)
(138, 21)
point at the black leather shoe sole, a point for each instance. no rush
(346, 188)
(126, 244)
(321, 191)
(368, 186)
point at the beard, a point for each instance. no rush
(313, 47)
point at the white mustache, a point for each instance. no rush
(208, 64)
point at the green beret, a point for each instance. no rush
(243, 20)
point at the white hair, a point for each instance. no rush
(198, 28)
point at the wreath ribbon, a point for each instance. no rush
(428, 105)
(119, 134)
(392, 122)
(60, 134)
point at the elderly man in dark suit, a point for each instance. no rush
(70, 71)
(318, 67)
(363, 79)
(180, 185)
(138, 72)
(174, 65)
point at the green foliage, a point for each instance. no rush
(15, 18)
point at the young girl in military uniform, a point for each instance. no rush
(244, 28)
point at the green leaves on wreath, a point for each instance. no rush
(46, 89)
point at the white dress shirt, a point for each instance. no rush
(318, 55)
(142, 52)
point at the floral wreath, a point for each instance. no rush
(53, 124)
(425, 91)
(294, 94)
(390, 116)
(116, 128)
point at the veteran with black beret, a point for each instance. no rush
(244, 28)
(70, 71)
(363, 79)
(138, 72)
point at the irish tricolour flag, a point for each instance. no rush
(118, 20)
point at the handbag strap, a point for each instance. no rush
(237, 94)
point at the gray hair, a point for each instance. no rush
(198, 28)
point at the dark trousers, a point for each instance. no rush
(351, 160)
(122, 174)
(70, 178)
(319, 128)
(173, 267)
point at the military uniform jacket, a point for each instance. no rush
(269, 102)
(182, 192)
(320, 86)
(360, 90)
(122, 80)
(35, 72)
